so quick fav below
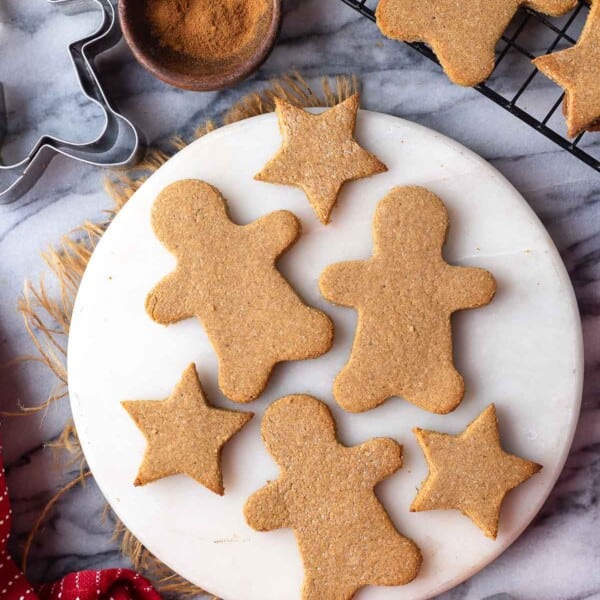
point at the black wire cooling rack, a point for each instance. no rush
(517, 85)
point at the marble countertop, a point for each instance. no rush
(557, 557)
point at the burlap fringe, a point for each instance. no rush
(47, 318)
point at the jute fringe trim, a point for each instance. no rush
(47, 318)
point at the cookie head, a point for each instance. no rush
(416, 212)
(311, 420)
(184, 209)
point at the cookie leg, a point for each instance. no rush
(355, 388)
(401, 564)
(243, 378)
(324, 587)
(462, 64)
(552, 7)
(309, 335)
(439, 391)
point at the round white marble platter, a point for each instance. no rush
(523, 352)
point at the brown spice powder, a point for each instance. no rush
(205, 29)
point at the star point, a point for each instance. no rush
(319, 153)
(470, 472)
(184, 434)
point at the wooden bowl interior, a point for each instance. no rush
(192, 73)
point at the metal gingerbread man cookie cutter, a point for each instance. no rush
(119, 144)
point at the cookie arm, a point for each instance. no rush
(167, 302)
(471, 287)
(274, 233)
(266, 510)
(342, 283)
(378, 458)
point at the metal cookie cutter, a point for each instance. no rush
(119, 144)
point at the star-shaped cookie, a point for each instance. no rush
(463, 35)
(470, 472)
(184, 434)
(577, 70)
(319, 153)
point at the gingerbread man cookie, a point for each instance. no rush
(405, 296)
(319, 153)
(577, 70)
(226, 277)
(325, 494)
(463, 35)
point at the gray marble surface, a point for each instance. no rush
(557, 557)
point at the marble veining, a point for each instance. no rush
(557, 557)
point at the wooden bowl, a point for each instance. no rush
(190, 73)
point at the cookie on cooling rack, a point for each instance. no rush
(463, 35)
(577, 71)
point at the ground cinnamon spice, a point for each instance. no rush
(205, 29)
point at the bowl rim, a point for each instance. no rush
(213, 82)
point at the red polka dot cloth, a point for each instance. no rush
(112, 584)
